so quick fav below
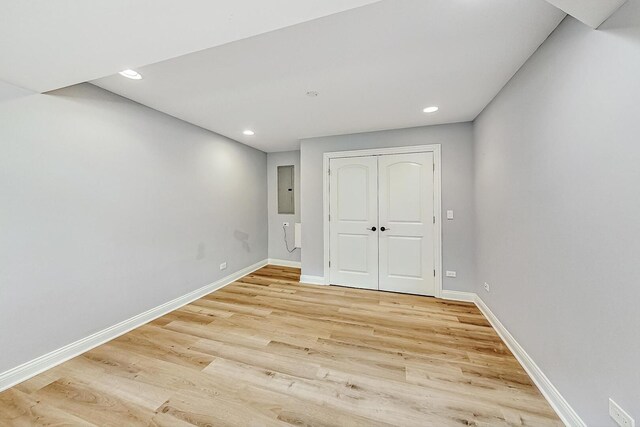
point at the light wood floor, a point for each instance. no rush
(269, 351)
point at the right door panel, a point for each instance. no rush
(406, 212)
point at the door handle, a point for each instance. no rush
(384, 229)
(372, 229)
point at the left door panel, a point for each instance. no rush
(353, 219)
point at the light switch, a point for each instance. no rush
(449, 214)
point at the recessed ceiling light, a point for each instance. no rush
(249, 132)
(312, 93)
(131, 74)
(431, 109)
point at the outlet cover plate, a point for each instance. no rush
(620, 416)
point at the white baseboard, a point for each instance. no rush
(458, 296)
(566, 413)
(312, 280)
(29, 369)
(34, 367)
(284, 263)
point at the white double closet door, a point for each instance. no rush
(382, 222)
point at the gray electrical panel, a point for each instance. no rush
(286, 201)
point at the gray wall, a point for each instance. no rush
(108, 209)
(277, 248)
(457, 192)
(558, 211)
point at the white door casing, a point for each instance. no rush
(353, 218)
(435, 151)
(406, 219)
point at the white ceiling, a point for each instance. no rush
(8, 91)
(375, 67)
(591, 12)
(45, 44)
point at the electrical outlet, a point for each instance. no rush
(451, 273)
(620, 416)
(223, 266)
(285, 224)
(486, 287)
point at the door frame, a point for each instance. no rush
(437, 199)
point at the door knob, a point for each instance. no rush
(384, 229)
(372, 229)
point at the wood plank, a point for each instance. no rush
(268, 351)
